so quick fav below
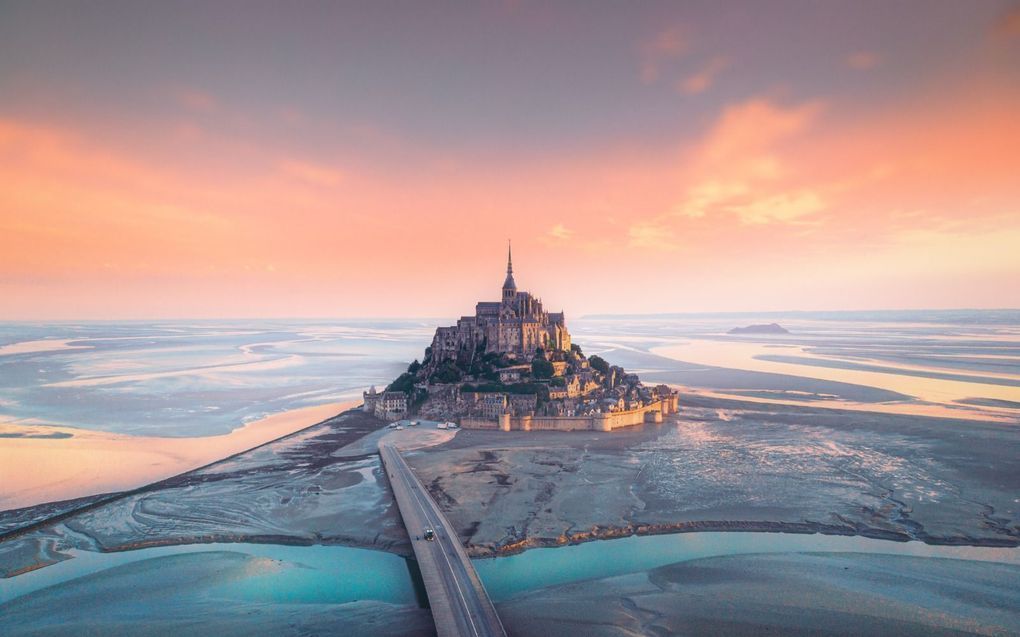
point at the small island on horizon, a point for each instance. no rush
(763, 328)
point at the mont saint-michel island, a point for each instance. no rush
(512, 367)
(511, 318)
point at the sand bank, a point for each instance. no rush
(43, 345)
(36, 466)
(748, 356)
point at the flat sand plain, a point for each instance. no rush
(52, 463)
(734, 465)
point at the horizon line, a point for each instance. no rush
(592, 315)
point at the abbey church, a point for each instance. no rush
(516, 324)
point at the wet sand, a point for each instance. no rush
(37, 467)
(784, 594)
(933, 386)
(731, 465)
(303, 489)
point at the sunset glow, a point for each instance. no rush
(243, 161)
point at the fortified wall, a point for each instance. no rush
(607, 421)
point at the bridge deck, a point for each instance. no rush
(460, 605)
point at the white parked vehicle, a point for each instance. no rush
(441, 425)
(399, 427)
(413, 423)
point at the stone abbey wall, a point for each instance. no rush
(597, 422)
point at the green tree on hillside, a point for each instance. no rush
(541, 368)
(598, 363)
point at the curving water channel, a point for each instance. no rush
(339, 574)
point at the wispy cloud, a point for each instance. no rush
(665, 46)
(705, 77)
(559, 232)
(653, 235)
(195, 100)
(1008, 25)
(786, 207)
(863, 60)
(311, 173)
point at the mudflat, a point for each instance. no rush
(734, 465)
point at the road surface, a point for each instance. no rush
(460, 605)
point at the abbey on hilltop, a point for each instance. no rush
(516, 325)
(513, 366)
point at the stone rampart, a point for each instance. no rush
(478, 423)
(597, 422)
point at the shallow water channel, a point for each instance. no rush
(339, 574)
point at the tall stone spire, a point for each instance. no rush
(509, 285)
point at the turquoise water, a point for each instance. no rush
(321, 574)
(505, 577)
(338, 574)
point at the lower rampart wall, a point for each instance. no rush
(597, 422)
(478, 423)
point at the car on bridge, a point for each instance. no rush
(429, 535)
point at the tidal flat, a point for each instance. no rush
(785, 470)
(729, 465)
(297, 490)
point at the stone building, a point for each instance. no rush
(516, 324)
(514, 373)
(388, 405)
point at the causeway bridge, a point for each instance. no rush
(460, 605)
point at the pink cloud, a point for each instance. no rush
(665, 46)
(1008, 25)
(195, 100)
(799, 188)
(863, 60)
(705, 77)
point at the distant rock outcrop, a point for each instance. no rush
(771, 328)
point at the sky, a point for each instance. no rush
(371, 159)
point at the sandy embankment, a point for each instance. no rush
(35, 469)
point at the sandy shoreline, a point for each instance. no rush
(46, 464)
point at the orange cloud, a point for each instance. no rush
(801, 189)
(195, 100)
(1008, 24)
(665, 46)
(311, 173)
(704, 78)
(557, 234)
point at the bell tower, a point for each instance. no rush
(509, 285)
